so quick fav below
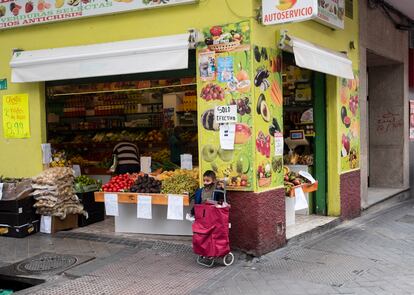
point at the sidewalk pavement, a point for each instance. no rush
(369, 255)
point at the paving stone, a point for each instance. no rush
(371, 255)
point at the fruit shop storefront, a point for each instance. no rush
(227, 96)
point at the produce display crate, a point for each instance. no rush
(307, 188)
(131, 198)
(70, 222)
(96, 211)
(89, 203)
(20, 231)
(17, 206)
(94, 216)
(18, 219)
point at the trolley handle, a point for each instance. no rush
(223, 191)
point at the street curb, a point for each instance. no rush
(314, 232)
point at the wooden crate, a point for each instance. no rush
(307, 188)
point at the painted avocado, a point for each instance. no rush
(264, 111)
(259, 103)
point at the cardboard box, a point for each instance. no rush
(53, 224)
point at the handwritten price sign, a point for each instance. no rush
(225, 114)
(16, 116)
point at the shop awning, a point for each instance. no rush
(106, 59)
(317, 58)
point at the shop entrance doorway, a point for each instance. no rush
(147, 119)
(304, 112)
(386, 138)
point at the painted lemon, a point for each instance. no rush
(286, 4)
(59, 3)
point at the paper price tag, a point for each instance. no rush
(308, 176)
(175, 210)
(111, 204)
(186, 161)
(300, 199)
(144, 207)
(279, 143)
(46, 224)
(46, 153)
(227, 136)
(145, 164)
(225, 114)
(77, 170)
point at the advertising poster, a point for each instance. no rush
(19, 13)
(226, 96)
(16, 116)
(411, 119)
(332, 13)
(268, 118)
(349, 125)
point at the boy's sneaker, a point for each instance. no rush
(189, 217)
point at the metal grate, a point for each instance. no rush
(349, 9)
(44, 264)
(47, 263)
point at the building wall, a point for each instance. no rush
(23, 157)
(338, 40)
(411, 157)
(386, 98)
(379, 36)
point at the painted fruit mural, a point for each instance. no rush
(224, 79)
(268, 118)
(349, 117)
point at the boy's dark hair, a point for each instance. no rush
(210, 173)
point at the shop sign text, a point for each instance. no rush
(19, 13)
(328, 12)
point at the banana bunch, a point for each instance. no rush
(59, 160)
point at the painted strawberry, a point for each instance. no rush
(28, 7)
(216, 31)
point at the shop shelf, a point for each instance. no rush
(132, 198)
(124, 90)
(111, 116)
(109, 144)
(72, 131)
(187, 125)
(95, 171)
(305, 123)
(184, 112)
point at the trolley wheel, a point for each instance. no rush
(205, 261)
(228, 259)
